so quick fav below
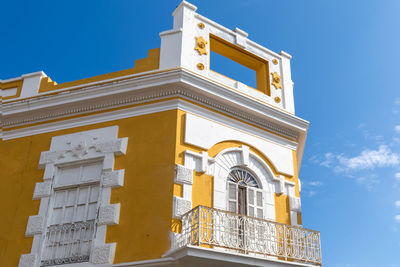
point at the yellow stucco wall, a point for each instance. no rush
(146, 197)
(155, 143)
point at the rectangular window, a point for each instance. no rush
(73, 213)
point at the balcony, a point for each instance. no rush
(225, 231)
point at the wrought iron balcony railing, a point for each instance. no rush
(208, 227)
(68, 243)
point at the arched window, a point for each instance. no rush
(244, 193)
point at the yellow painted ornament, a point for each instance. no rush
(276, 80)
(201, 45)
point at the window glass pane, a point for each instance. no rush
(80, 213)
(68, 175)
(68, 215)
(250, 196)
(232, 206)
(83, 195)
(260, 213)
(251, 211)
(92, 211)
(242, 177)
(60, 198)
(259, 199)
(71, 198)
(94, 193)
(56, 216)
(232, 191)
(91, 172)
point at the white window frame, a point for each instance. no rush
(79, 148)
(62, 187)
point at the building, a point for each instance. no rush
(165, 164)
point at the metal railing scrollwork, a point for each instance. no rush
(204, 226)
(68, 243)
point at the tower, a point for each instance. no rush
(167, 163)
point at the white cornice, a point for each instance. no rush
(154, 87)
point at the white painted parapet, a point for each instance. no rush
(187, 45)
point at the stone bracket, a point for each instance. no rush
(109, 214)
(183, 175)
(35, 225)
(104, 254)
(180, 206)
(113, 178)
(42, 190)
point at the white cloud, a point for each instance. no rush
(369, 159)
(315, 183)
(397, 128)
(397, 101)
(397, 203)
(397, 218)
(329, 158)
(397, 176)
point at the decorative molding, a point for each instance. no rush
(28, 260)
(83, 150)
(276, 80)
(35, 225)
(113, 178)
(103, 254)
(183, 175)
(233, 157)
(100, 146)
(200, 66)
(245, 150)
(201, 45)
(36, 104)
(201, 161)
(42, 190)
(282, 184)
(109, 214)
(181, 206)
(295, 203)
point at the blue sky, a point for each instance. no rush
(345, 68)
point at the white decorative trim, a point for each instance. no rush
(233, 157)
(42, 190)
(183, 175)
(49, 171)
(295, 204)
(283, 186)
(245, 154)
(36, 109)
(28, 260)
(83, 151)
(293, 218)
(103, 254)
(180, 206)
(109, 214)
(201, 162)
(299, 184)
(78, 148)
(35, 225)
(113, 178)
